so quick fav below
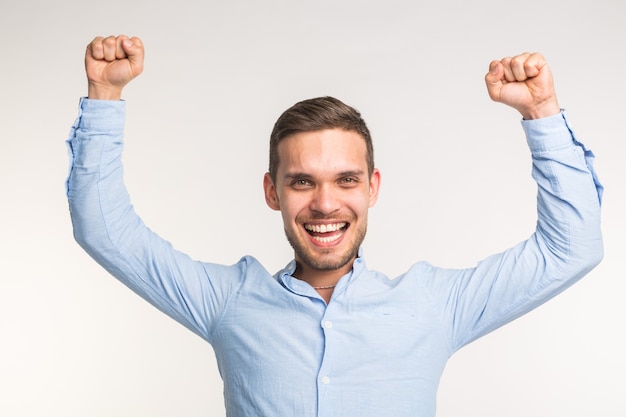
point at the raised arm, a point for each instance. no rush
(567, 241)
(104, 220)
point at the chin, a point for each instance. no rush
(330, 262)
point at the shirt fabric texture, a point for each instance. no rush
(380, 346)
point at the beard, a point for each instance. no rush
(326, 259)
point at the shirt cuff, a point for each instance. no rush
(101, 115)
(548, 133)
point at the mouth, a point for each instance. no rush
(327, 232)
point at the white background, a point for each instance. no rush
(456, 184)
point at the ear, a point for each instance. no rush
(271, 198)
(374, 187)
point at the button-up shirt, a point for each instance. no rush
(379, 347)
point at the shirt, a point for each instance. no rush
(380, 346)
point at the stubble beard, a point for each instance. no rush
(324, 260)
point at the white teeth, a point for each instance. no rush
(327, 239)
(324, 228)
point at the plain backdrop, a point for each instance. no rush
(456, 184)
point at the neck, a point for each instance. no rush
(321, 278)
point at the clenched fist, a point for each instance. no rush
(525, 83)
(111, 63)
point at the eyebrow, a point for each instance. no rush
(352, 173)
(292, 175)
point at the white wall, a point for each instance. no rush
(456, 184)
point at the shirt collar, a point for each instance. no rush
(286, 278)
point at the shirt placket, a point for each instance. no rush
(325, 376)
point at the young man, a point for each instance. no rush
(326, 336)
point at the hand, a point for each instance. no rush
(111, 63)
(525, 83)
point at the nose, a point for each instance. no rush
(325, 200)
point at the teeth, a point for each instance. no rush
(327, 239)
(324, 228)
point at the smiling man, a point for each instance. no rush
(326, 336)
(322, 179)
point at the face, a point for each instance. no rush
(323, 190)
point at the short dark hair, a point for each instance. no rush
(318, 114)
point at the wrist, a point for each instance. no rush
(99, 92)
(545, 109)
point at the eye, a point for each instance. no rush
(348, 180)
(301, 183)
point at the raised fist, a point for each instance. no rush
(525, 83)
(111, 63)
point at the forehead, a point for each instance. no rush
(327, 150)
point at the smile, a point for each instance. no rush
(326, 233)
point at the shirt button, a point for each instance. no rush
(328, 324)
(326, 380)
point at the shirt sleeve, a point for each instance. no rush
(565, 246)
(107, 227)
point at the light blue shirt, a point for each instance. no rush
(380, 346)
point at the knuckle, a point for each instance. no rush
(109, 41)
(96, 47)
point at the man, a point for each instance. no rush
(325, 336)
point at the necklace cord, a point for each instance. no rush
(325, 287)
